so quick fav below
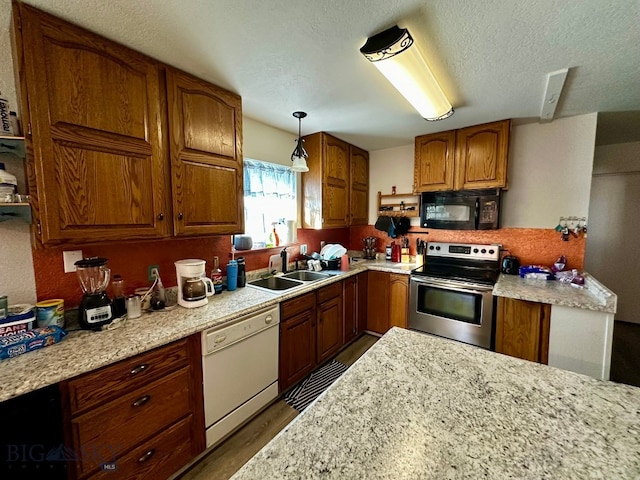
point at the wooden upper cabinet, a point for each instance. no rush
(481, 156)
(467, 159)
(434, 162)
(358, 186)
(95, 156)
(336, 187)
(205, 138)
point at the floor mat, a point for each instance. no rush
(312, 386)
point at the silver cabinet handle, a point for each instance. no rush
(140, 368)
(219, 339)
(141, 401)
(147, 455)
(268, 319)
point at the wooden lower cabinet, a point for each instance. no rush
(378, 302)
(146, 418)
(398, 300)
(387, 301)
(297, 339)
(330, 326)
(522, 329)
(315, 326)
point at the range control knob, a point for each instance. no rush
(438, 248)
(491, 251)
(431, 247)
(475, 250)
(484, 250)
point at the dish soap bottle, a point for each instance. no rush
(274, 239)
(216, 276)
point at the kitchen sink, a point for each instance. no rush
(275, 283)
(306, 275)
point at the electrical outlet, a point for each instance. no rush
(69, 258)
(150, 274)
(303, 249)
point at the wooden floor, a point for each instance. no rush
(229, 456)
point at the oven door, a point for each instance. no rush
(453, 310)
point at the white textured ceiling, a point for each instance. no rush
(490, 56)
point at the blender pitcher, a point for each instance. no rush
(95, 308)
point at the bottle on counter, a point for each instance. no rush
(274, 238)
(216, 276)
(232, 275)
(119, 301)
(242, 274)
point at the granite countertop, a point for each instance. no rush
(594, 295)
(83, 351)
(418, 406)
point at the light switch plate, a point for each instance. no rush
(69, 258)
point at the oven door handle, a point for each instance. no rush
(449, 286)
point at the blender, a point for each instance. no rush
(95, 307)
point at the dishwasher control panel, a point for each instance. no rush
(221, 337)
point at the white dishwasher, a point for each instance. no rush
(239, 371)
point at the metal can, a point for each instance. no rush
(50, 312)
(4, 305)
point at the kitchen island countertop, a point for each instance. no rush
(594, 295)
(418, 406)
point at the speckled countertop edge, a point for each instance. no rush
(594, 296)
(418, 406)
(83, 351)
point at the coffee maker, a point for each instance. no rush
(193, 285)
(95, 308)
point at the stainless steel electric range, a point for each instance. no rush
(451, 294)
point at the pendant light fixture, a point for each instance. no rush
(393, 53)
(299, 155)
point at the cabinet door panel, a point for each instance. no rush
(434, 162)
(378, 302)
(330, 328)
(363, 285)
(336, 160)
(481, 156)
(350, 305)
(334, 202)
(206, 156)
(359, 186)
(522, 329)
(398, 300)
(92, 77)
(297, 348)
(96, 153)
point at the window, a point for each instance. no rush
(269, 198)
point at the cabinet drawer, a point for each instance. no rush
(157, 457)
(107, 431)
(329, 292)
(297, 305)
(113, 381)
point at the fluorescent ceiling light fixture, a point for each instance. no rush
(555, 82)
(299, 155)
(393, 52)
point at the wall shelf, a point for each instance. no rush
(14, 145)
(11, 211)
(393, 205)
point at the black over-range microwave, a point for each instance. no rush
(463, 210)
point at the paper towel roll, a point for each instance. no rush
(292, 232)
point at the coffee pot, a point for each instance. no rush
(193, 285)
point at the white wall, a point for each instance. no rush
(613, 250)
(267, 143)
(549, 172)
